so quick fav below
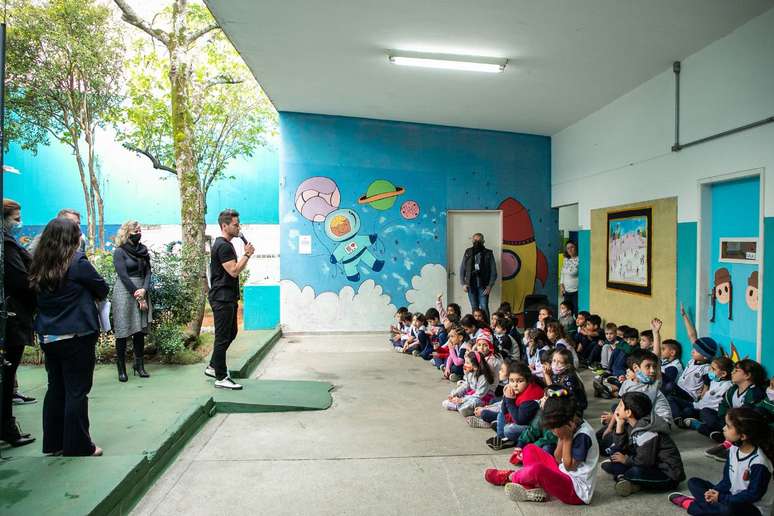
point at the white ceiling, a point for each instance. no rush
(567, 58)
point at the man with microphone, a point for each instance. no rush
(224, 294)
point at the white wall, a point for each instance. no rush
(621, 153)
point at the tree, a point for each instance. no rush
(64, 85)
(192, 107)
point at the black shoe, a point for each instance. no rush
(21, 399)
(121, 366)
(139, 370)
(496, 443)
(718, 453)
(13, 435)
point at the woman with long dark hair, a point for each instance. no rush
(67, 287)
(20, 299)
(132, 310)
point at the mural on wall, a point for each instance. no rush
(751, 294)
(722, 292)
(522, 262)
(366, 237)
(629, 242)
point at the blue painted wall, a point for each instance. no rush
(584, 269)
(767, 309)
(132, 189)
(686, 279)
(440, 168)
(735, 213)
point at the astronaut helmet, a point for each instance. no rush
(342, 225)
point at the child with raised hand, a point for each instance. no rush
(559, 340)
(475, 389)
(748, 390)
(562, 372)
(744, 489)
(451, 308)
(646, 457)
(519, 406)
(703, 415)
(570, 473)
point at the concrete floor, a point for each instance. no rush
(385, 447)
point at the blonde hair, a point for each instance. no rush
(122, 236)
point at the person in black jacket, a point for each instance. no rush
(478, 273)
(67, 323)
(18, 330)
(645, 455)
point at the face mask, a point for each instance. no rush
(135, 239)
(478, 245)
(712, 376)
(643, 378)
(13, 226)
(557, 369)
(770, 393)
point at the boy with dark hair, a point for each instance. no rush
(647, 457)
(589, 338)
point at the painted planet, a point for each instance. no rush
(409, 210)
(381, 195)
(317, 197)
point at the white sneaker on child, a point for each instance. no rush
(519, 493)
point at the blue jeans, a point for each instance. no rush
(649, 478)
(510, 431)
(478, 299)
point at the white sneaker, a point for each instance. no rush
(210, 371)
(227, 383)
(519, 493)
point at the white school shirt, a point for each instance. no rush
(584, 476)
(691, 379)
(674, 363)
(571, 349)
(738, 474)
(713, 396)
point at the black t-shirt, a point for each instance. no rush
(223, 287)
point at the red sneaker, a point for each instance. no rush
(497, 477)
(515, 457)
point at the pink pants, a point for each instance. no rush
(541, 470)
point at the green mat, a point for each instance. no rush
(141, 425)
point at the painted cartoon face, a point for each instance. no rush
(342, 224)
(751, 297)
(723, 293)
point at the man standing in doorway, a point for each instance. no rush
(478, 273)
(224, 295)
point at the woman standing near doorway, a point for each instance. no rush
(569, 282)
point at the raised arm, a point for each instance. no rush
(689, 327)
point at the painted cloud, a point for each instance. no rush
(426, 287)
(367, 310)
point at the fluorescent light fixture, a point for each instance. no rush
(447, 61)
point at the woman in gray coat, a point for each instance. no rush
(132, 309)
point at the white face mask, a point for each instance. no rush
(770, 393)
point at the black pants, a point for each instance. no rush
(13, 356)
(651, 479)
(70, 367)
(225, 315)
(571, 298)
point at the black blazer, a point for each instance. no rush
(21, 299)
(71, 308)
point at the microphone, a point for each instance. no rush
(242, 236)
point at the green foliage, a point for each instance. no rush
(168, 336)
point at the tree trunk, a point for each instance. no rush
(191, 196)
(86, 192)
(96, 196)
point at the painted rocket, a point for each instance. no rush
(522, 261)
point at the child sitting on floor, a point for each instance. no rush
(518, 408)
(507, 345)
(451, 308)
(486, 417)
(749, 382)
(405, 331)
(535, 434)
(562, 372)
(458, 346)
(418, 337)
(570, 473)
(480, 315)
(475, 389)
(744, 488)
(646, 456)
(605, 350)
(436, 334)
(536, 344)
(441, 353)
(559, 340)
(566, 318)
(544, 313)
(702, 416)
(396, 329)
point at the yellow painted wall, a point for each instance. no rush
(627, 307)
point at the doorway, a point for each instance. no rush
(461, 225)
(730, 264)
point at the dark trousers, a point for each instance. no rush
(225, 315)
(571, 298)
(681, 403)
(13, 355)
(70, 367)
(698, 487)
(651, 479)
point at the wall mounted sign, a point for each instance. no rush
(629, 243)
(738, 250)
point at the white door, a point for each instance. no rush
(461, 225)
